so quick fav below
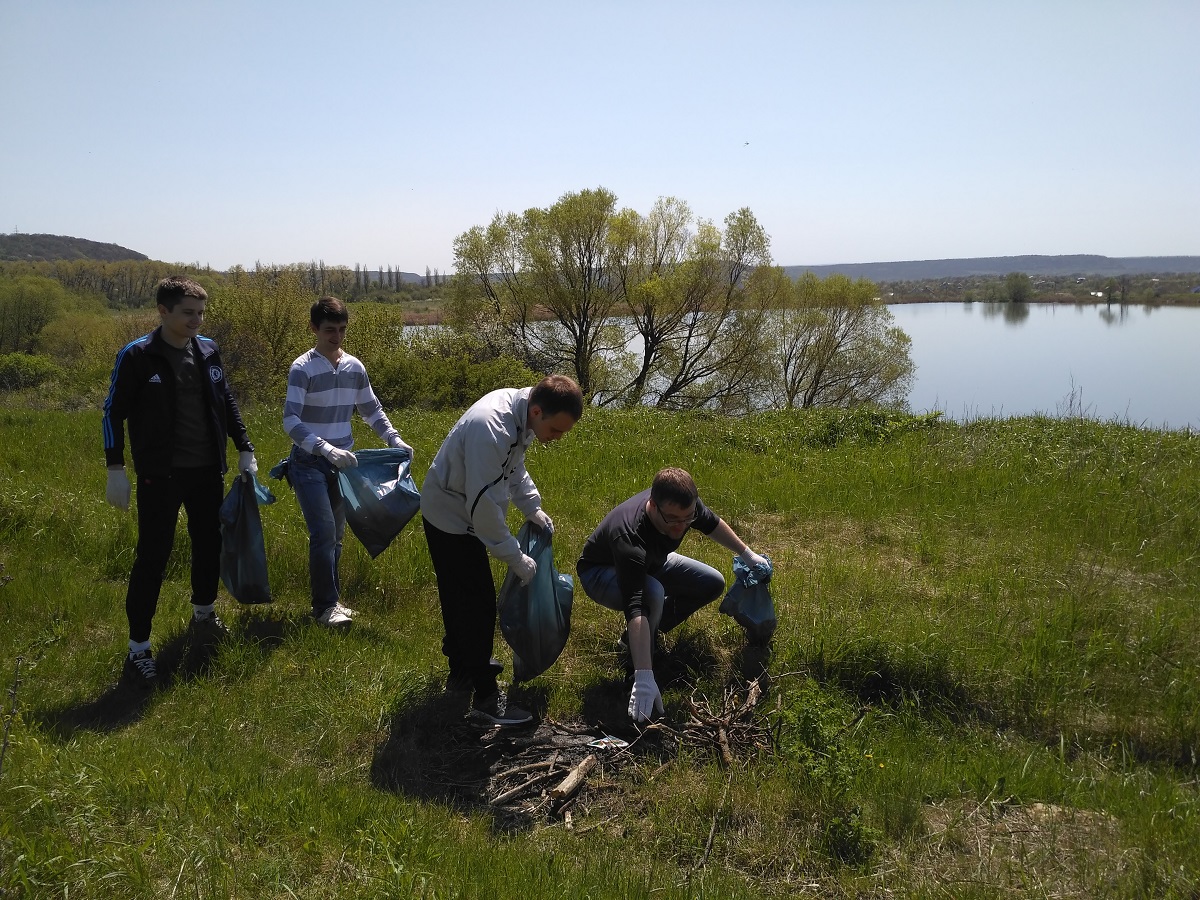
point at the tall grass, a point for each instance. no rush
(985, 681)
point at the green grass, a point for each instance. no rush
(985, 681)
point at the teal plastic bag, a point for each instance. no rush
(380, 496)
(243, 549)
(535, 619)
(749, 600)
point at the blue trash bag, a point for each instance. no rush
(535, 619)
(380, 495)
(749, 600)
(243, 551)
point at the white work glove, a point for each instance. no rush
(645, 701)
(116, 492)
(247, 462)
(542, 521)
(397, 443)
(524, 568)
(342, 459)
(752, 559)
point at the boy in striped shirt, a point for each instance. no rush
(325, 386)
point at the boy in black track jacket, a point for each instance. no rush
(170, 387)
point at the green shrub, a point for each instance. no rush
(22, 370)
(439, 369)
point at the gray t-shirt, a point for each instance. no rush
(192, 441)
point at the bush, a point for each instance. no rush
(22, 370)
(439, 369)
(27, 305)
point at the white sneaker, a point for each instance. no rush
(333, 617)
(344, 610)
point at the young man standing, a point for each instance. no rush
(325, 386)
(170, 387)
(629, 564)
(464, 500)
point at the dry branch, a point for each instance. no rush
(574, 779)
(532, 767)
(521, 789)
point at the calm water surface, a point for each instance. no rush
(1135, 364)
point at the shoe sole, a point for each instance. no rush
(485, 719)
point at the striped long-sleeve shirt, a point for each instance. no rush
(321, 398)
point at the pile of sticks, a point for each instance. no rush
(549, 783)
(735, 728)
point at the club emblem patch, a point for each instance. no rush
(214, 372)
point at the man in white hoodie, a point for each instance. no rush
(464, 501)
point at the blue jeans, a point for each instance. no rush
(314, 480)
(682, 586)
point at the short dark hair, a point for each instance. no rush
(174, 288)
(328, 309)
(672, 485)
(556, 394)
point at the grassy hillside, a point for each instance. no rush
(985, 682)
(51, 247)
(1078, 264)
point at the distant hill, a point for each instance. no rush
(378, 277)
(1080, 264)
(50, 247)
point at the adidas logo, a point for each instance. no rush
(154, 379)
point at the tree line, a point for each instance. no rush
(661, 309)
(670, 310)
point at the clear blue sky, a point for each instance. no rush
(373, 132)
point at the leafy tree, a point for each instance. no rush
(1018, 286)
(697, 308)
(836, 346)
(541, 284)
(546, 286)
(27, 305)
(260, 319)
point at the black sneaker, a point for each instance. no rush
(464, 682)
(140, 671)
(207, 631)
(496, 710)
(460, 685)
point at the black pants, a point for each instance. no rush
(199, 492)
(468, 598)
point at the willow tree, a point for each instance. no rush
(835, 345)
(698, 310)
(540, 285)
(548, 285)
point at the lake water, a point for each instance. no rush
(1135, 364)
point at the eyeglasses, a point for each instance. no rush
(674, 521)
